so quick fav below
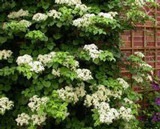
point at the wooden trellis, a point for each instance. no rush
(145, 38)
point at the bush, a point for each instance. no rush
(59, 64)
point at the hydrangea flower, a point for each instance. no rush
(139, 54)
(39, 17)
(25, 59)
(93, 51)
(19, 13)
(25, 23)
(5, 104)
(107, 114)
(122, 82)
(82, 7)
(36, 102)
(126, 113)
(84, 21)
(36, 66)
(102, 94)
(68, 2)
(71, 94)
(38, 119)
(128, 101)
(84, 74)
(22, 119)
(56, 72)
(137, 78)
(55, 14)
(5, 54)
(109, 15)
(46, 58)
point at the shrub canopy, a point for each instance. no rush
(59, 64)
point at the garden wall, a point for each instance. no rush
(145, 38)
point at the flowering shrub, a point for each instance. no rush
(142, 76)
(5, 104)
(59, 64)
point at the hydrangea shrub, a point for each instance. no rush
(59, 64)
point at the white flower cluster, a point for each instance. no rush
(68, 2)
(84, 21)
(79, 90)
(20, 13)
(126, 113)
(116, 94)
(82, 7)
(84, 74)
(149, 77)
(101, 95)
(109, 15)
(56, 72)
(107, 114)
(71, 94)
(34, 105)
(145, 65)
(93, 50)
(36, 102)
(139, 2)
(142, 77)
(128, 101)
(55, 14)
(5, 54)
(38, 119)
(46, 58)
(39, 17)
(72, 66)
(122, 82)
(139, 54)
(36, 66)
(5, 104)
(146, 72)
(87, 19)
(25, 23)
(137, 78)
(25, 59)
(24, 119)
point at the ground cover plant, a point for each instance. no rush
(59, 64)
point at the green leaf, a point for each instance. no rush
(47, 84)
(3, 40)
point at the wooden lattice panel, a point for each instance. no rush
(145, 38)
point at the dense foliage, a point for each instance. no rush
(59, 64)
(150, 115)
